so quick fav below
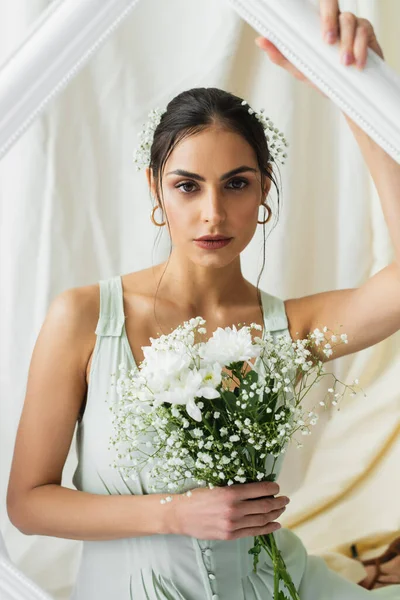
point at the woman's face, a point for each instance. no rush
(209, 199)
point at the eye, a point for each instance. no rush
(236, 180)
(182, 185)
(239, 180)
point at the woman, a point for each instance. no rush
(210, 169)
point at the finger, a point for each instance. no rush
(372, 41)
(255, 490)
(348, 25)
(274, 53)
(258, 520)
(278, 58)
(389, 579)
(262, 505)
(258, 506)
(374, 45)
(329, 12)
(252, 531)
(361, 45)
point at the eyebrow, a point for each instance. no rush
(184, 173)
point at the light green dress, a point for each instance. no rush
(176, 567)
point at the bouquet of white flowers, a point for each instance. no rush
(215, 418)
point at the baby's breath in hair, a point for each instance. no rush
(275, 138)
(278, 142)
(141, 157)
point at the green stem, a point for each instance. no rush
(281, 573)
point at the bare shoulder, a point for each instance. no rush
(72, 316)
(79, 305)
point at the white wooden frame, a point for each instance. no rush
(54, 50)
(370, 97)
(69, 31)
(14, 585)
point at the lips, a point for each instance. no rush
(212, 238)
(213, 244)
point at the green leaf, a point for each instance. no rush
(236, 367)
(251, 452)
(251, 377)
(230, 401)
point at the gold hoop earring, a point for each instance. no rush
(269, 214)
(152, 217)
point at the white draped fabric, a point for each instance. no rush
(73, 210)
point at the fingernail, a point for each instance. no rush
(287, 500)
(347, 58)
(330, 36)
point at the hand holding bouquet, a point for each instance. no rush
(213, 417)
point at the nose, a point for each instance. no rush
(213, 207)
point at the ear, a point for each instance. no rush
(150, 181)
(267, 184)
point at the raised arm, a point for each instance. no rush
(370, 313)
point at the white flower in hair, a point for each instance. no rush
(275, 138)
(141, 157)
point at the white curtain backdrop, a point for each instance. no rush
(73, 211)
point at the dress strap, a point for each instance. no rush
(112, 317)
(274, 312)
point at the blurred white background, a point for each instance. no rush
(74, 210)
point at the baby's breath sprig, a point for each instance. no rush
(276, 140)
(141, 157)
